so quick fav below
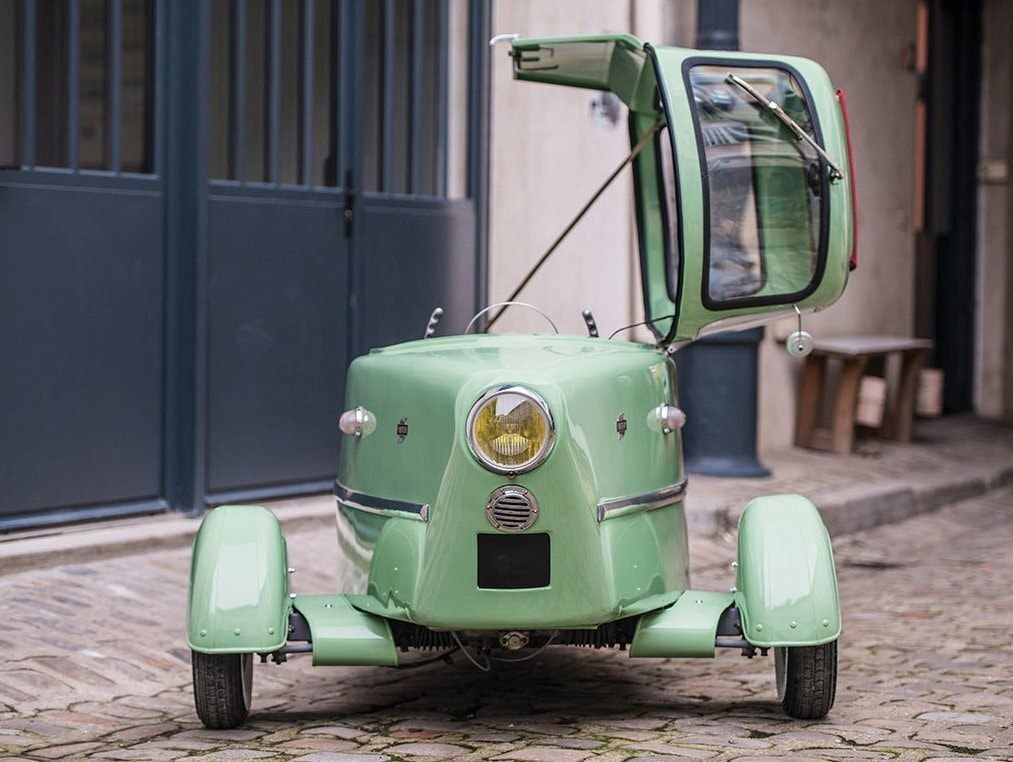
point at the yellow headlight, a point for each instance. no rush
(510, 430)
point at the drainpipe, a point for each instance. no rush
(718, 374)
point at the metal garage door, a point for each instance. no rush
(207, 209)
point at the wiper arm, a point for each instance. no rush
(835, 171)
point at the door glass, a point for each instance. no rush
(51, 82)
(669, 204)
(219, 143)
(764, 189)
(254, 111)
(290, 97)
(325, 101)
(92, 85)
(10, 71)
(137, 82)
(457, 107)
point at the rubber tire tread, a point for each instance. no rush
(218, 689)
(811, 683)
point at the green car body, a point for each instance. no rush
(602, 558)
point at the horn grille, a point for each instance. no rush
(511, 509)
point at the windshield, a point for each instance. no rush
(764, 188)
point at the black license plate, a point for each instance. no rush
(511, 562)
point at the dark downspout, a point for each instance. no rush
(718, 374)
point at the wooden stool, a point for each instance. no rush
(854, 352)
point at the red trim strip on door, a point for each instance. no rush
(853, 262)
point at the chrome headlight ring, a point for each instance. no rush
(543, 452)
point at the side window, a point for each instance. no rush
(667, 192)
(764, 190)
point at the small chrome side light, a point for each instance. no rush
(666, 419)
(357, 422)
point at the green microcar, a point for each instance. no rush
(512, 493)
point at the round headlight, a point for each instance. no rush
(510, 430)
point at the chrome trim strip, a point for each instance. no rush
(646, 501)
(382, 506)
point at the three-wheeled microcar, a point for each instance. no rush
(518, 492)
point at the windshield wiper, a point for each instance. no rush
(787, 121)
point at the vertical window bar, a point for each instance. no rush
(306, 107)
(387, 150)
(73, 81)
(273, 90)
(443, 75)
(415, 154)
(28, 85)
(158, 82)
(158, 86)
(114, 51)
(334, 176)
(237, 104)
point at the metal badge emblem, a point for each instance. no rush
(402, 430)
(621, 426)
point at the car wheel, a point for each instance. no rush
(222, 688)
(806, 679)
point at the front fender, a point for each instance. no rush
(238, 583)
(787, 584)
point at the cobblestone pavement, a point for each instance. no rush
(96, 667)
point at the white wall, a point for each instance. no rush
(548, 157)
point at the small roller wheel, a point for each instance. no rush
(222, 688)
(806, 679)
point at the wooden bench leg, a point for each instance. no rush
(899, 419)
(842, 435)
(809, 400)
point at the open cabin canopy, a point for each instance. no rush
(742, 212)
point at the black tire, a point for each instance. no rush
(222, 688)
(806, 680)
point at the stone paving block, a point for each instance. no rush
(328, 757)
(316, 744)
(337, 731)
(140, 754)
(16, 740)
(222, 736)
(427, 750)
(572, 743)
(957, 718)
(675, 750)
(141, 732)
(544, 754)
(628, 735)
(182, 744)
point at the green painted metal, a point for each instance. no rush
(635, 72)
(426, 572)
(687, 628)
(787, 585)
(238, 600)
(613, 62)
(344, 636)
(695, 319)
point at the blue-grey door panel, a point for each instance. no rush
(81, 327)
(415, 254)
(277, 306)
